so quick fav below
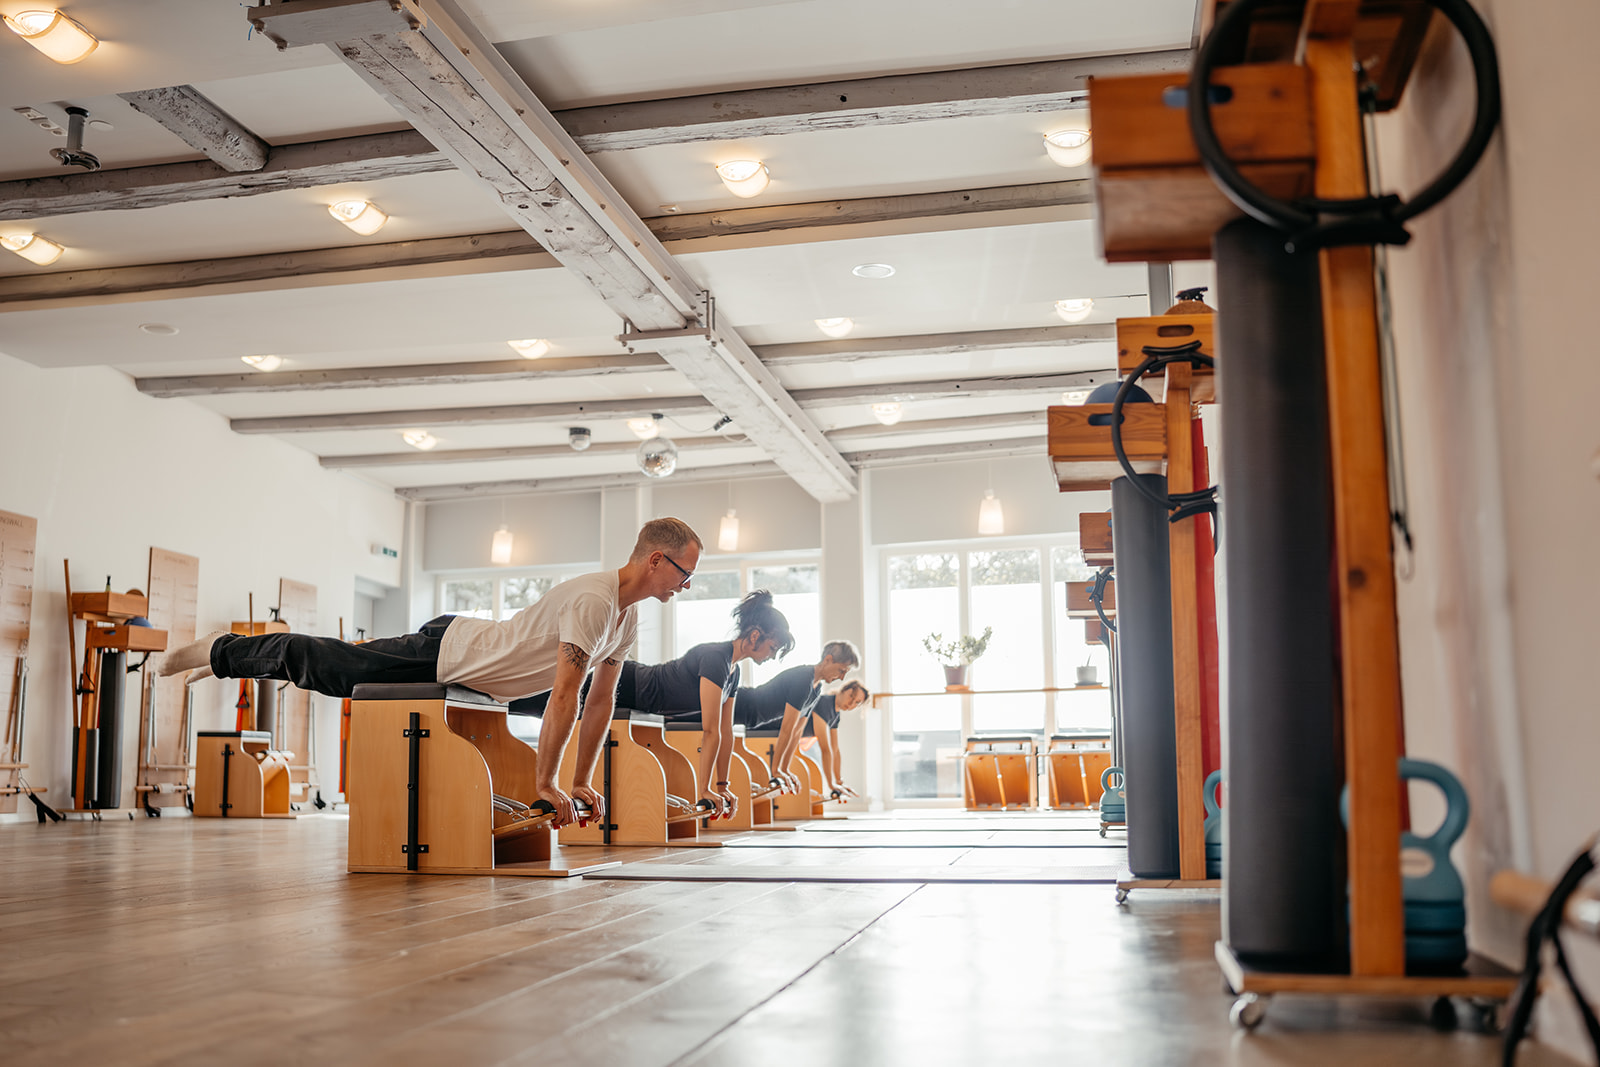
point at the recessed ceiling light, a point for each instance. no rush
(32, 247)
(260, 362)
(1074, 310)
(1068, 148)
(644, 428)
(669, 209)
(744, 177)
(160, 329)
(835, 327)
(532, 348)
(420, 439)
(873, 270)
(1074, 396)
(362, 216)
(887, 413)
(53, 33)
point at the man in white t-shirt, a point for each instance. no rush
(550, 646)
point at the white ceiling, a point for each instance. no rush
(969, 273)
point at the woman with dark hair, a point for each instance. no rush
(701, 685)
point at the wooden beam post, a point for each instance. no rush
(1186, 679)
(1368, 637)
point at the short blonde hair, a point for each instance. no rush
(665, 535)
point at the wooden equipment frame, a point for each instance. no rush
(1304, 120)
(638, 768)
(688, 738)
(1073, 763)
(18, 535)
(1000, 778)
(463, 754)
(105, 628)
(760, 773)
(238, 775)
(789, 807)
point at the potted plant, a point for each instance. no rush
(957, 654)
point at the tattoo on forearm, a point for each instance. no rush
(575, 655)
(611, 661)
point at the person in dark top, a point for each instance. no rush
(788, 700)
(823, 724)
(700, 686)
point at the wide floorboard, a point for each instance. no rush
(185, 941)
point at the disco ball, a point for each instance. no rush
(658, 457)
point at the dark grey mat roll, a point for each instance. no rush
(1283, 898)
(1144, 643)
(113, 689)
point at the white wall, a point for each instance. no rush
(109, 472)
(939, 502)
(1499, 618)
(775, 514)
(547, 528)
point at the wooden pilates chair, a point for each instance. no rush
(763, 786)
(439, 785)
(638, 772)
(1073, 762)
(998, 770)
(807, 804)
(688, 738)
(237, 775)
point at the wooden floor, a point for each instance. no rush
(184, 941)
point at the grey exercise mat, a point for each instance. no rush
(924, 839)
(668, 872)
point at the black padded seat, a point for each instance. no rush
(1083, 735)
(681, 726)
(986, 739)
(764, 733)
(453, 694)
(243, 735)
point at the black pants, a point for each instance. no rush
(327, 665)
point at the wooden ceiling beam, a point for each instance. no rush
(949, 388)
(585, 482)
(851, 349)
(319, 380)
(202, 125)
(1009, 89)
(517, 250)
(575, 412)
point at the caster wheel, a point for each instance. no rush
(130, 816)
(1488, 1015)
(1102, 831)
(1122, 896)
(1442, 1015)
(1248, 1011)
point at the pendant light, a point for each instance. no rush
(991, 517)
(728, 530)
(500, 547)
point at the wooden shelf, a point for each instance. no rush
(1079, 443)
(109, 606)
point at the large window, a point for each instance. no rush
(1017, 591)
(502, 595)
(703, 612)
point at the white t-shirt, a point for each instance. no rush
(517, 657)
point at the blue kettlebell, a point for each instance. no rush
(1113, 806)
(1213, 825)
(1433, 893)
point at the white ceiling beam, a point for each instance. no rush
(851, 349)
(320, 380)
(627, 407)
(945, 389)
(575, 412)
(1008, 446)
(586, 483)
(202, 125)
(1053, 85)
(873, 433)
(447, 456)
(371, 157)
(438, 257)
(450, 82)
(487, 253)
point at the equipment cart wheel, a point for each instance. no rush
(1442, 1015)
(1102, 831)
(1248, 1011)
(1122, 895)
(1488, 1012)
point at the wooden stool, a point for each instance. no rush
(425, 764)
(999, 772)
(637, 771)
(786, 806)
(689, 738)
(760, 781)
(238, 776)
(1074, 762)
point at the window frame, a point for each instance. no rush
(744, 564)
(962, 549)
(498, 576)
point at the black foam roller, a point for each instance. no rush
(267, 708)
(1283, 897)
(113, 687)
(1144, 645)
